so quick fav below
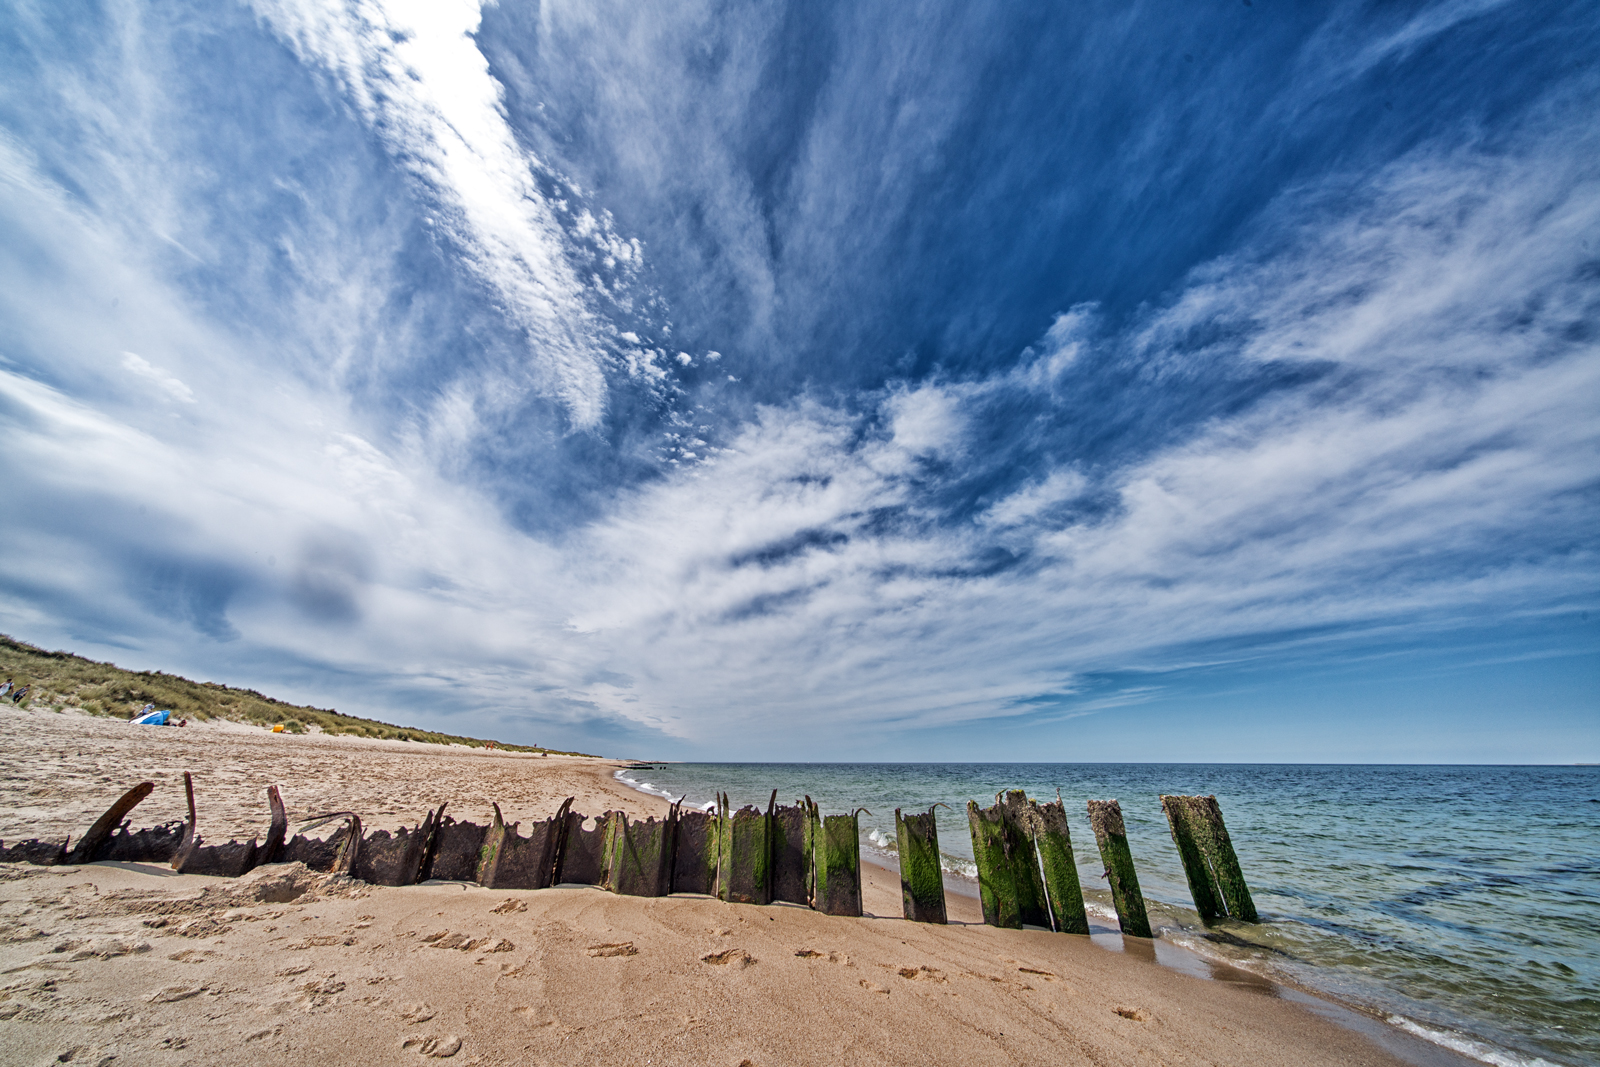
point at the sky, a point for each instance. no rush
(1181, 381)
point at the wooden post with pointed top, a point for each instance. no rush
(1112, 836)
(1209, 862)
(190, 839)
(100, 832)
(279, 828)
(921, 871)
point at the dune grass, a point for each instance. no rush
(59, 680)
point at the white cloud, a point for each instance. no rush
(174, 388)
(415, 74)
(805, 583)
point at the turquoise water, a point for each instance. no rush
(1461, 904)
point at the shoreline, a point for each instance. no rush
(1412, 1042)
(135, 961)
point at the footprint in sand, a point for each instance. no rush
(441, 1047)
(465, 943)
(831, 957)
(174, 993)
(922, 974)
(873, 987)
(729, 956)
(506, 907)
(619, 948)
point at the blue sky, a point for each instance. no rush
(1209, 381)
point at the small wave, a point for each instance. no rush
(1466, 1046)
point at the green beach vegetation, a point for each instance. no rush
(61, 680)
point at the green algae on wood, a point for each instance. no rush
(695, 853)
(997, 889)
(746, 857)
(641, 859)
(921, 872)
(838, 866)
(791, 864)
(1060, 870)
(1105, 816)
(1020, 826)
(1209, 862)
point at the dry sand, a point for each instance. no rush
(134, 962)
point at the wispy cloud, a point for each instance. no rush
(416, 76)
(1371, 414)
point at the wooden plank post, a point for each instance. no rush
(349, 848)
(1060, 870)
(1209, 862)
(641, 857)
(1105, 816)
(921, 867)
(791, 862)
(747, 855)
(457, 847)
(90, 843)
(272, 851)
(694, 860)
(193, 857)
(393, 859)
(997, 887)
(1021, 824)
(838, 865)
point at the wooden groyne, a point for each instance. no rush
(790, 854)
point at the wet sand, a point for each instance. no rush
(136, 962)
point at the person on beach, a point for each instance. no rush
(6, 688)
(16, 698)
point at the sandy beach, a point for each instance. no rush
(131, 963)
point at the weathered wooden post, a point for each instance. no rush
(510, 861)
(456, 849)
(396, 859)
(747, 856)
(1021, 824)
(227, 861)
(586, 854)
(791, 862)
(921, 868)
(1209, 862)
(641, 861)
(811, 833)
(1026, 873)
(89, 844)
(349, 848)
(838, 865)
(1060, 870)
(694, 860)
(279, 827)
(1112, 836)
(997, 886)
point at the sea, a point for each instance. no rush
(1460, 905)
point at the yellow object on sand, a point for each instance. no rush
(278, 729)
